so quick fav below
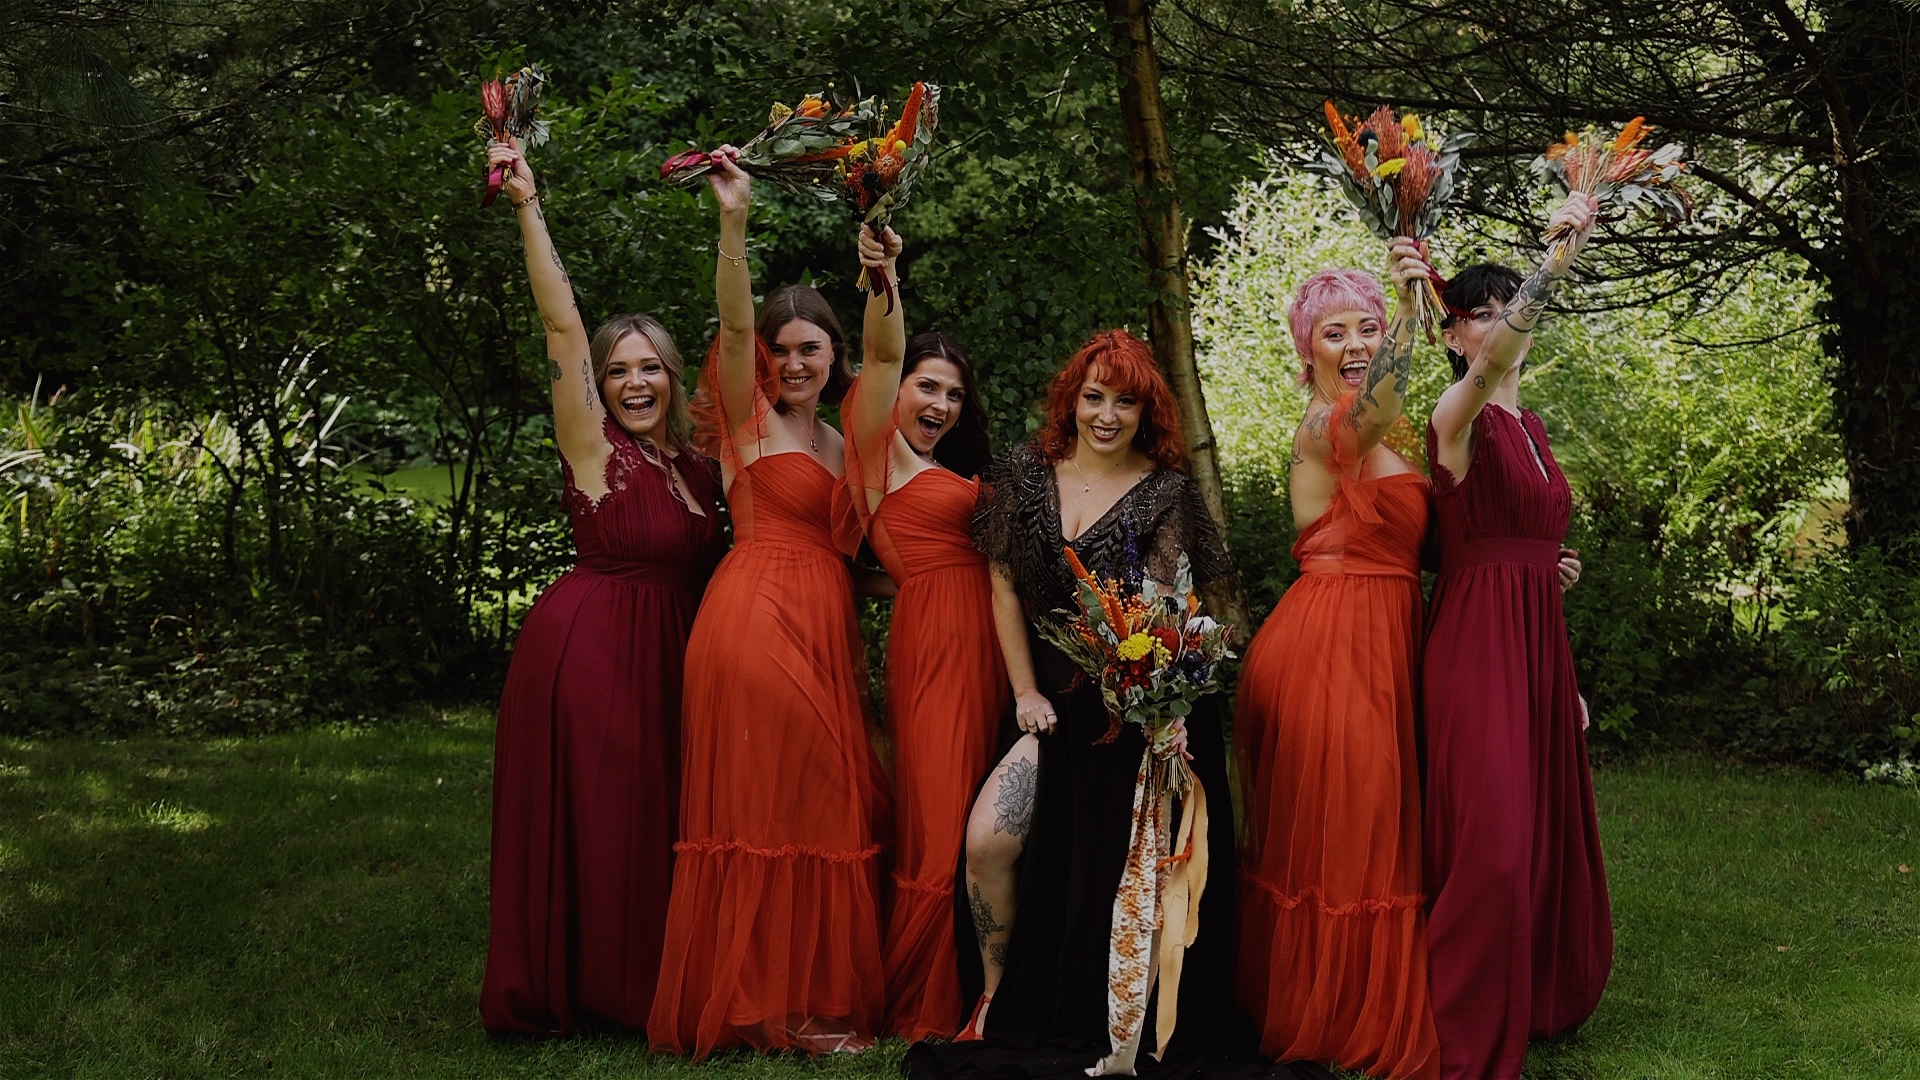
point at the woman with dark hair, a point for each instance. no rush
(1333, 964)
(1049, 835)
(1520, 936)
(773, 937)
(916, 446)
(587, 749)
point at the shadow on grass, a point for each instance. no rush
(314, 903)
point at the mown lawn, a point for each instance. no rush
(314, 904)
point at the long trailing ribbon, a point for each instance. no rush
(1156, 914)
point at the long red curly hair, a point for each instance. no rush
(1126, 365)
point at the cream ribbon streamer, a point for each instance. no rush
(1156, 913)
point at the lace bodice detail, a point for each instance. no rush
(1162, 517)
(640, 520)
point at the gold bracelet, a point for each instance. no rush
(734, 259)
(528, 201)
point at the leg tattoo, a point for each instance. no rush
(984, 925)
(1013, 804)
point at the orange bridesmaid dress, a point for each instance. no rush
(946, 690)
(773, 929)
(1333, 959)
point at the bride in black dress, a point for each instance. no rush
(1049, 835)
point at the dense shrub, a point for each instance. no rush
(150, 577)
(1712, 613)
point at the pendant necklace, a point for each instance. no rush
(1086, 486)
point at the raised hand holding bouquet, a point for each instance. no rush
(1619, 173)
(840, 154)
(1399, 177)
(1153, 655)
(510, 107)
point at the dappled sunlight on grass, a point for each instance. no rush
(314, 903)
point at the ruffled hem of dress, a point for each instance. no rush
(785, 851)
(921, 959)
(764, 942)
(1342, 983)
(1372, 906)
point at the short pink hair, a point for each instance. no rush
(1325, 293)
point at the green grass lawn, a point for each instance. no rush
(315, 904)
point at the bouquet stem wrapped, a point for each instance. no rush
(510, 106)
(849, 155)
(1619, 172)
(1153, 655)
(1399, 177)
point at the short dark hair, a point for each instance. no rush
(1484, 283)
(789, 303)
(964, 449)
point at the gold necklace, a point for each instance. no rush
(1086, 486)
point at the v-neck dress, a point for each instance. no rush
(1049, 1014)
(586, 761)
(1520, 935)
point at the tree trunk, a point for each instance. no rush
(1866, 87)
(1877, 399)
(1163, 240)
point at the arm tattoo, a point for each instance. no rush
(586, 371)
(1317, 423)
(984, 925)
(1479, 382)
(553, 368)
(1297, 459)
(1393, 357)
(558, 265)
(1013, 804)
(1530, 301)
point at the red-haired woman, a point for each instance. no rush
(587, 750)
(1333, 959)
(773, 937)
(1049, 834)
(916, 448)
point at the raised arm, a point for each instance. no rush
(1507, 342)
(883, 343)
(577, 409)
(733, 287)
(1383, 389)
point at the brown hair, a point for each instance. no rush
(615, 330)
(965, 448)
(789, 303)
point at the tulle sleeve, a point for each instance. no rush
(869, 469)
(719, 435)
(1346, 459)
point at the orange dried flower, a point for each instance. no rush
(1631, 135)
(1387, 129)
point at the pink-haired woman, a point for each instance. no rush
(1332, 961)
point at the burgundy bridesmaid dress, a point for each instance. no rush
(586, 792)
(1520, 936)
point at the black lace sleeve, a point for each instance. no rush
(996, 520)
(1185, 527)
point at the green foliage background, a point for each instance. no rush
(227, 331)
